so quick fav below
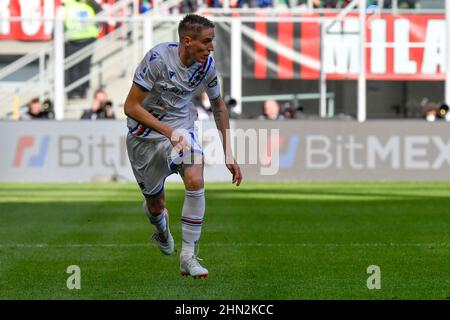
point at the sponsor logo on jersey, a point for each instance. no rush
(153, 56)
(175, 90)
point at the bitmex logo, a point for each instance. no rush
(287, 159)
(34, 160)
(411, 152)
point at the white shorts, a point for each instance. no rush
(153, 161)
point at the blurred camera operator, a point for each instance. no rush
(444, 113)
(101, 108)
(231, 104)
(289, 111)
(38, 111)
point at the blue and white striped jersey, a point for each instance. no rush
(170, 86)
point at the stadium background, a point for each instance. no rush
(280, 52)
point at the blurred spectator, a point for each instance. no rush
(243, 3)
(401, 4)
(288, 111)
(80, 34)
(37, 111)
(101, 108)
(443, 112)
(408, 4)
(251, 3)
(203, 106)
(188, 6)
(264, 3)
(234, 3)
(215, 3)
(330, 3)
(430, 110)
(47, 108)
(271, 110)
(145, 6)
(325, 3)
(434, 111)
(231, 105)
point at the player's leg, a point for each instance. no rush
(193, 207)
(192, 219)
(150, 172)
(154, 208)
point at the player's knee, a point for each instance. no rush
(194, 183)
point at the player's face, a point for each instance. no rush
(202, 45)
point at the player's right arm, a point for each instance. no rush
(145, 77)
(134, 110)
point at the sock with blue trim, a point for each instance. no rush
(192, 220)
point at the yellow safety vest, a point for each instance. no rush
(76, 28)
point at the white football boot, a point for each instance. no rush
(189, 266)
(164, 240)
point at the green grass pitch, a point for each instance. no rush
(259, 241)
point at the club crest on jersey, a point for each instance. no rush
(171, 74)
(200, 73)
(198, 77)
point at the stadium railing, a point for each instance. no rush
(102, 64)
(13, 95)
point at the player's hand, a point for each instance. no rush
(236, 172)
(180, 140)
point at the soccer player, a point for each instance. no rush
(161, 119)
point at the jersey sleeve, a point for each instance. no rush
(148, 71)
(211, 82)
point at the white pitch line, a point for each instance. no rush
(221, 244)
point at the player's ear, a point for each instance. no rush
(187, 40)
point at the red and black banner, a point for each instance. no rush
(400, 47)
(268, 48)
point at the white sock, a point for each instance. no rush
(192, 219)
(158, 221)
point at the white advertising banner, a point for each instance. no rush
(86, 151)
(76, 151)
(347, 150)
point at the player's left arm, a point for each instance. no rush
(220, 112)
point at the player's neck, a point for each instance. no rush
(185, 59)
